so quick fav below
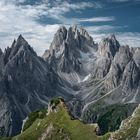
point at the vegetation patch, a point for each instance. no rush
(130, 128)
(33, 116)
(108, 118)
(63, 127)
(5, 138)
(55, 101)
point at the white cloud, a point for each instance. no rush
(103, 28)
(119, 0)
(60, 8)
(129, 38)
(98, 19)
(126, 38)
(18, 19)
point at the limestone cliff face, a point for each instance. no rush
(106, 72)
(108, 47)
(67, 47)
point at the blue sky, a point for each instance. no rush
(38, 20)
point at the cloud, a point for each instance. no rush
(121, 1)
(58, 9)
(118, 0)
(17, 18)
(127, 38)
(98, 19)
(23, 19)
(104, 28)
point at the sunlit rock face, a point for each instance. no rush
(68, 48)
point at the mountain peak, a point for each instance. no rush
(18, 46)
(21, 41)
(1, 52)
(58, 39)
(20, 37)
(112, 37)
(83, 32)
(62, 29)
(74, 27)
(108, 46)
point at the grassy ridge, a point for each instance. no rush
(62, 127)
(40, 114)
(58, 125)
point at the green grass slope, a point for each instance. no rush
(56, 124)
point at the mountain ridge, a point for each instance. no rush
(56, 123)
(89, 76)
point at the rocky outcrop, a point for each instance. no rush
(67, 47)
(121, 59)
(131, 76)
(108, 47)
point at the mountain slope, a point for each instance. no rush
(105, 73)
(57, 124)
(26, 84)
(129, 128)
(96, 80)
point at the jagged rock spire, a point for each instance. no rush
(108, 46)
(18, 47)
(112, 37)
(21, 41)
(1, 52)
